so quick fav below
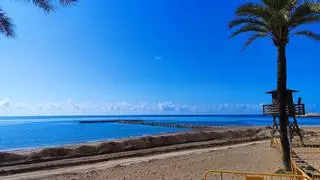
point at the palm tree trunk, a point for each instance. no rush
(282, 101)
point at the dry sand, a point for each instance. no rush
(310, 155)
(182, 164)
(186, 164)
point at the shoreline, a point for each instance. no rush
(29, 156)
(87, 161)
(92, 142)
(165, 158)
(95, 142)
(86, 154)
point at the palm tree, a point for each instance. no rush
(279, 20)
(6, 26)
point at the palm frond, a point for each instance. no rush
(49, 5)
(253, 38)
(280, 18)
(305, 20)
(276, 19)
(253, 10)
(252, 20)
(46, 5)
(249, 28)
(68, 2)
(6, 27)
(277, 4)
(305, 9)
(308, 34)
(292, 5)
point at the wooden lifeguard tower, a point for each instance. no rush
(292, 110)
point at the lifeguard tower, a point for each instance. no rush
(292, 110)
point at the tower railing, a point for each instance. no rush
(291, 109)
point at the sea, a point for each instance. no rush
(18, 133)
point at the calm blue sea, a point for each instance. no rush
(43, 131)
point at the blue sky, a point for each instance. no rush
(142, 57)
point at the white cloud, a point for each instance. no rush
(167, 107)
(180, 108)
(71, 107)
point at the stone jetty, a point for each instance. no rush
(148, 123)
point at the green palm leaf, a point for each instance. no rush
(292, 5)
(305, 20)
(308, 34)
(249, 28)
(304, 10)
(277, 4)
(276, 18)
(253, 21)
(253, 38)
(253, 10)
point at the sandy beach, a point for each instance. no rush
(147, 157)
(187, 164)
(233, 148)
(310, 154)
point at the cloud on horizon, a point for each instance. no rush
(70, 107)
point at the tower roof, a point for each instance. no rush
(274, 91)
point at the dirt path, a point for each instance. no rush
(154, 166)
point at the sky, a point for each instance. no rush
(143, 57)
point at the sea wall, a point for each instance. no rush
(107, 147)
(163, 124)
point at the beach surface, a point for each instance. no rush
(185, 164)
(186, 155)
